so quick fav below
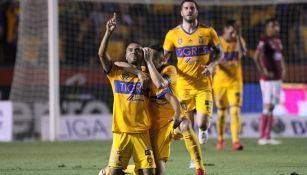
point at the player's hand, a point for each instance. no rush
(268, 73)
(208, 70)
(177, 121)
(144, 79)
(148, 54)
(111, 24)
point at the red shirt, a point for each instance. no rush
(271, 49)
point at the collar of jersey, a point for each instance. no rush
(192, 31)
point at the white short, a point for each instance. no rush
(270, 90)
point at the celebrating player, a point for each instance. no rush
(163, 107)
(131, 122)
(227, 84)
(192, 43)
(270, 63)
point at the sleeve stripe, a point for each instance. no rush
(167, 90)
(107, 71)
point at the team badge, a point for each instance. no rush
(125, 76)
(190, 40)
(179, 41)
(201, 39)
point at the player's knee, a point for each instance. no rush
(235, 110)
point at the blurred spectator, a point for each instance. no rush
(12, 14)
(298, 37)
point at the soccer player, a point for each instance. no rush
(269, 61)
(192, 43)
(227, 84)
(131, 122)
(164, 106)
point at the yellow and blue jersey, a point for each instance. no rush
(230, 72)
(130, 107)
(192, 51)
(160, 109)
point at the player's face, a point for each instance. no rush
(189, 12)
(276, 28)
(273, 29)
(134, 53)
(157, 60)
(230, 33)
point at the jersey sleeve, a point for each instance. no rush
(113, 71)
(169, 73)
(260, 46)
(214, 38)
(168, 45)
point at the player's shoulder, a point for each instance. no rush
(168, 69)
(205, 26)
(174, 29)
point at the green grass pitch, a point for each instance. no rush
(86, 158)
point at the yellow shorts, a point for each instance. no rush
(136, 145)
(225, 96)
(161, 141)
(201, 100)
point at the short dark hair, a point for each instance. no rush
(230, 23)
(157, 47)
(269, 21)
(189, 1)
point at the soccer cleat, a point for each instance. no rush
(192, 164)
(102, 172)
(263, 141)
(220, 145)
(203, 136)
(200, 172)
(273, 142)
(237, 146)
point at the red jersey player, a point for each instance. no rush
(269, 61)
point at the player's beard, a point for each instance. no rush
(189, 20)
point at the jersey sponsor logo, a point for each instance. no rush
(191, 51)
(188, 60)
(231, 56)
(123, 87)
(133, 98)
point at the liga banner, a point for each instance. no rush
(81, 127)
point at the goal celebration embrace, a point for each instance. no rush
(153, 87)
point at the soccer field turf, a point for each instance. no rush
(86, 158)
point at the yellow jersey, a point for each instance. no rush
(130, 107)
(161, 110)
(229, 71)
(192, 51)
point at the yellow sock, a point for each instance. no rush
(130, 169)
(235, 123)
(193, 148)
(221, 123)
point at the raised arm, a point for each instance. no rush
(104, 57)
(132, 69)
(155, 76)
